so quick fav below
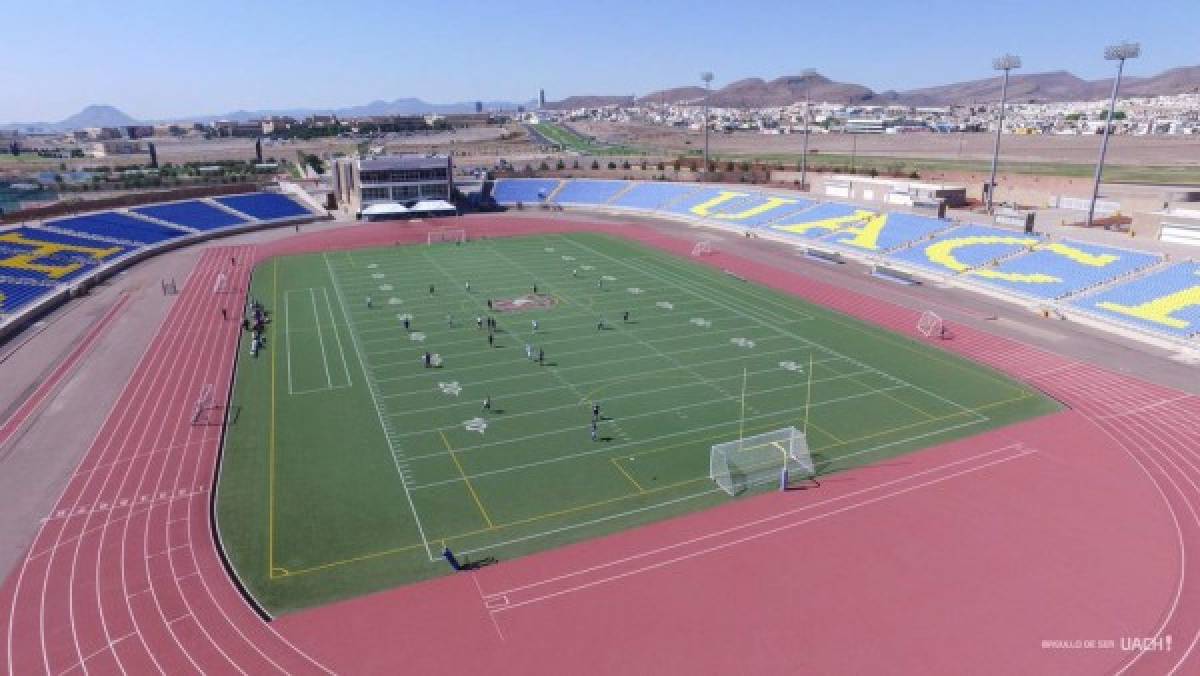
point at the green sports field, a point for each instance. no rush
(349, 465)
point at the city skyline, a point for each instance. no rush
(155, 62)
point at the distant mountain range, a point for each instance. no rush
(747, 93)
(109, 116)
(782, 91)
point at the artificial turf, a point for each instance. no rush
(349, 464)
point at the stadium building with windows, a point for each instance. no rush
(394, 186)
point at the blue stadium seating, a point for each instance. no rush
(898, 230)
(528, 190)
(118, 226)
(15, 296)
(652, 195)
(192, 214)
(1074, 276)
(823, 211)
(589, 192)
(740, 210)
(1179, 278)
(778, 213)
(684, 206)
(265, 206)
(81, 262)
(971, 256)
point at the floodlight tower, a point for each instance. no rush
(1118, 53)
(1004, 63)
(804, 151)
(707, 76)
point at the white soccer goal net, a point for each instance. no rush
(702, 248)
(736, 466)
(446, 235)
(930, 324)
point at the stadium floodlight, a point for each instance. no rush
(1005, 63)
(1118, 53)
(804, 150)
(707, 76)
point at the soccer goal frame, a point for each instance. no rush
(443, 235)
(930, 324)
(703, 248)
(739, 465)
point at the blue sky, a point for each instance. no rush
(165, 59)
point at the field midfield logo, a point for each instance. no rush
(451, 387)
(587, 267)
(666, 305)
(568, 258)
(417, 336)
(476, 425)
(394, 301)
(385, 287)
(701, 322)
(791, 366)
(634, 290)
(549, 249)
(377, 275)
(742, 342)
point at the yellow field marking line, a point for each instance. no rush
(271, 441)
(616, 463)
(470, 486)
(356, 559)
(889, 395)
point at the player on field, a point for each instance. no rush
(528, 351)
(541, 356)
(595, 411)
(479, 322)
(407, 324)
(431, 289)
(449, 319)
(368, 302)
(625, 317)
(595, 432)
(491, 340)
(487, 403)
(468, 287)
(535, 325)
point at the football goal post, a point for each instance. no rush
(703, 248)
(738, 465)
(930, 324)
(441, 235)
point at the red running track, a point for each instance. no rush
(967, 556)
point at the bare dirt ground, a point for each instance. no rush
(1135, 150)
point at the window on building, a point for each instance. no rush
(375, 193)
(404, 192)
(434, 190)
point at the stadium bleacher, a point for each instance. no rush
(1166, 302)
(822, 220)
(117, 226)
(265, 206)
(192, 214)
(652, 196)
(525, 190)
(43, 256)
(1059, 269)
(966, 247)
(15, 295)
(883, 233)
(592, 192)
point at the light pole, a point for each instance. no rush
(804, 151)
(1118, 53)
(708, 78)
(1004, 63)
